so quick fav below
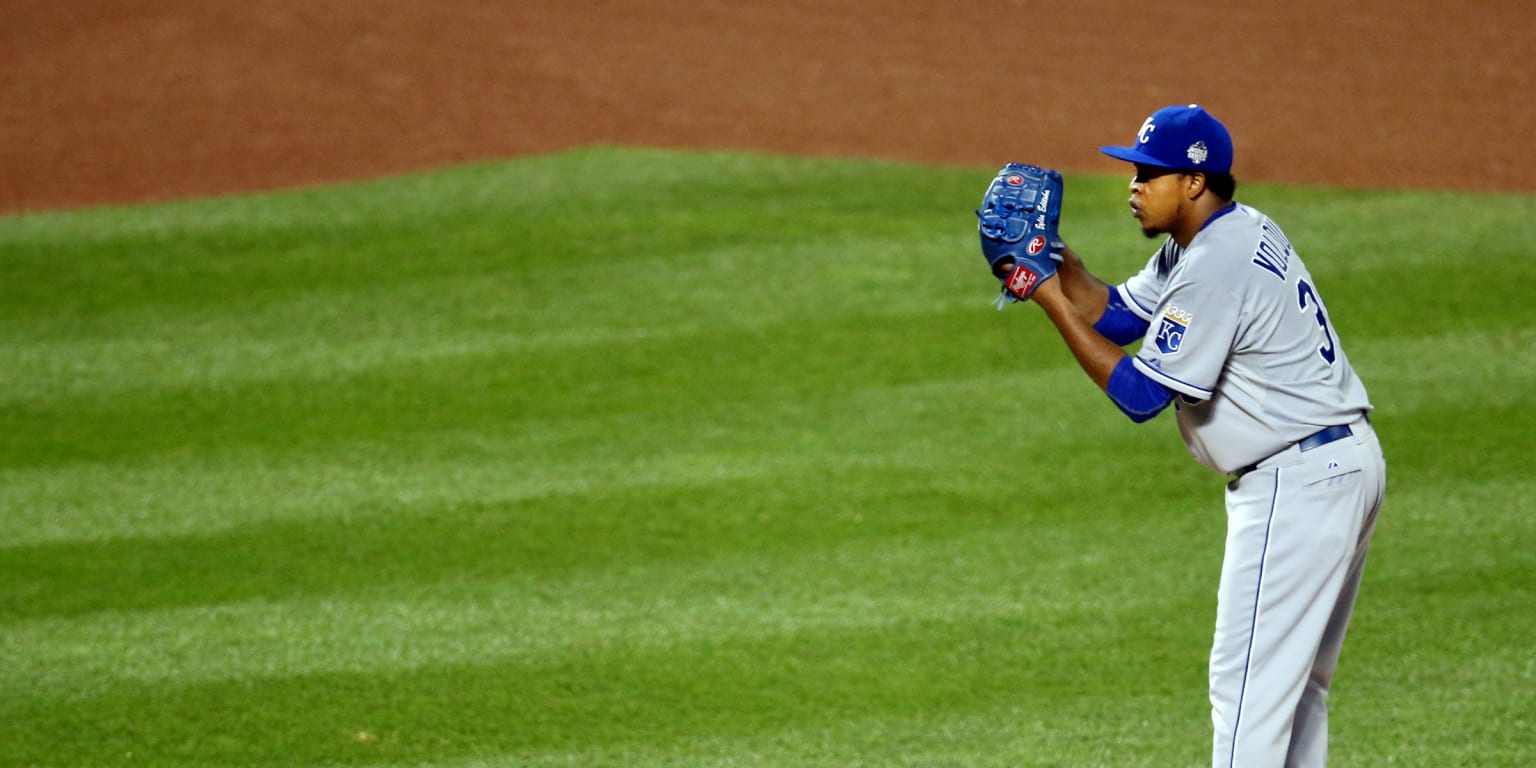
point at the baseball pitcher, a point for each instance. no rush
(1235, 336)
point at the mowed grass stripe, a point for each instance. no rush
(412, 529)
(871, 570)
(884, 617)
(495, 455)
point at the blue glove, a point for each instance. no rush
(1019, 216)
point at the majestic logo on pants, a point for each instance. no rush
(1170, 335)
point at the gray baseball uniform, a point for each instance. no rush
(1264, 391)
(1238, 329)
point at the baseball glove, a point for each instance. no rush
(1019, 218)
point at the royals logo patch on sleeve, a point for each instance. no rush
(1170, 333)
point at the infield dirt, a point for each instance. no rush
(145, 100)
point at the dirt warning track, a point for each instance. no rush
(144, 100)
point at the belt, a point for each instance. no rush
(1317, 439)
(1325, 436)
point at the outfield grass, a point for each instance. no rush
(644, 458)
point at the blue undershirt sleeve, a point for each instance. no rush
(1136, 395)
(1119, 324)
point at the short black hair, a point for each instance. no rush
(1223, 185)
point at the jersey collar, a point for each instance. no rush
(1230, 208)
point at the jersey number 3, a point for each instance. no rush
(1305, 295)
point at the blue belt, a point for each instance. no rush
(1325, 436)
(1317, 439)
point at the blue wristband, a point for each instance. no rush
(1119, 324)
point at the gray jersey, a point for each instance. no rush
(1240, 334)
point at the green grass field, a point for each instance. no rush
(646, 458)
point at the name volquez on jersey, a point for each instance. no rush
(1274, 251)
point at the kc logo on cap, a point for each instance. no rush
(1179, 137)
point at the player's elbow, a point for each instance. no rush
(1138, 397)
(1140, 417)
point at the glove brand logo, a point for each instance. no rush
(1022, 282)
(1036, 245)
(1015, 180)
(1198, 152)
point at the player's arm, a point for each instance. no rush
(1088, 293)
(1136, 395)
(1098, 302)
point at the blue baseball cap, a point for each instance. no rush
(1184, 138)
